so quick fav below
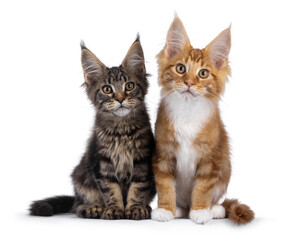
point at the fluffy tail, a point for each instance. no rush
(50, 206)
(236, 212)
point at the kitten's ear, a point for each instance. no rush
(177, 38)
(134, 61)
(93, 68)
(218, 50)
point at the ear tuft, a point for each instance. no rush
(137, 38)
(177, 38)
(219, 48)
(82, 45)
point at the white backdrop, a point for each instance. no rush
(46, 117)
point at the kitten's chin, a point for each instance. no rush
(121, 112)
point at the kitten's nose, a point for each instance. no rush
(120, 100)
(120, 97)
(189, 83)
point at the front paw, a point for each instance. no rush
(138, 212)
(162, 215)
(112, 213)
(201, 216)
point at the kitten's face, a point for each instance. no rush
(193, 72)
(118, 90)
(191, 75)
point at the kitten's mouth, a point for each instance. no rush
(188, 93)
(122, 111)
(121, 106)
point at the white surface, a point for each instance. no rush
(46, 117)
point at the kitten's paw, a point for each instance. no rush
(201, 216)
(161, 215)
(89, 211)
(112, 213)
(218, 211)
(138, 212)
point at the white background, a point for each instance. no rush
(46, 117)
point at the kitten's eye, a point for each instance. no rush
(203, 73)
(180, 68)
(129, 86)
(106, 89)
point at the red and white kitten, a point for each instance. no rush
(192, 160)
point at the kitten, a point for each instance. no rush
(192, 159)
(114, 178)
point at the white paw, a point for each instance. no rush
(201, 216)
(161, 215)
(181, 212)
(218, 211)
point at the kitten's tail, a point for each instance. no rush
(50, 206)
(236, 212)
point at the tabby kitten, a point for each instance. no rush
(192, 160)
(114, 179)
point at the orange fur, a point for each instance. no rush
(206, 143)
(164, 163)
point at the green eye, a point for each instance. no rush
(129, 86)
(106, 89)
(180, 68)
(203, 73)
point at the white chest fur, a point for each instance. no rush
(188, 117)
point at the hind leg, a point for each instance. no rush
(89, 202)
(89, 211)
(217, 209)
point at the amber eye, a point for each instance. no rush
(106, 89)
(180, 68)
(203, 73)
(129, 86)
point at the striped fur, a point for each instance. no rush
(114, 179)
(192, 159)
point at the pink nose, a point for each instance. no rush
(189, 83)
